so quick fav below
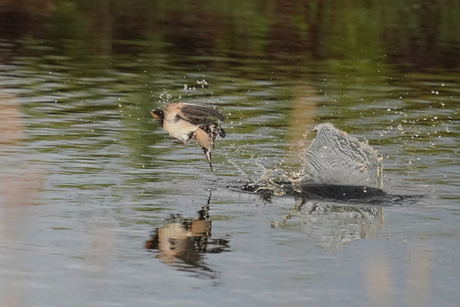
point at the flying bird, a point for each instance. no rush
(184, 121)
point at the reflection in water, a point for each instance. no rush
(20, 183)
(183, 241)
(303, 113)
(380, 288)
(333, 226)
(383, 283)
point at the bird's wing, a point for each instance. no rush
(197, 114)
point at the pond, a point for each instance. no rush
(100, 207)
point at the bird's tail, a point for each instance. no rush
(207, 153)
(206, 141)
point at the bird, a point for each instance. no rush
(184, 121)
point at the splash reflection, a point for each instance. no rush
(333, 226)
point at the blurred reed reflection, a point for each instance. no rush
(303, 113)
(382, 281)
(20, 183)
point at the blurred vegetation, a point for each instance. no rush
(416, 35)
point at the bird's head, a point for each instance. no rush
(159, 115)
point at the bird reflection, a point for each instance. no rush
(183, 241)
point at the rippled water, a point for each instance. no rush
(90, 183)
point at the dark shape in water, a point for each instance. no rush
(339, 192)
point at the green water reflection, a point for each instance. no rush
(87, 74)
(93, 71)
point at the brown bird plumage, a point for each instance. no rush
(184, 121)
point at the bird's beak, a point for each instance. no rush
(158, 114)
(154, 115)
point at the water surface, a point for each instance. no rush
(88, 176)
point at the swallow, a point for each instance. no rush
(184, 121)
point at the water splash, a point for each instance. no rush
(336, 158)
(268, 181)
(333, 159)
